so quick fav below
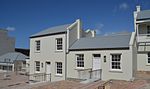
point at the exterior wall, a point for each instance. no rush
(142, 62)
(48, 53)
(125, 74)
(72, 35)
(7, 44)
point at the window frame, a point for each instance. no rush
(80, 67)
(113, 69)
(148, 58)
(148, 31)
(60, 44)
(37, 66)
(37, 46)
(60, 68)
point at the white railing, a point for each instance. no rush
(89, 74)
(39, 77)
(143, 37)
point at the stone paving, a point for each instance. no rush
(21, 82)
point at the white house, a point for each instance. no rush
(142, 29)
(69, 52)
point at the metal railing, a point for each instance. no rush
(89, 74)
(39, 77)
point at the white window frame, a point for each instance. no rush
(77, 55)
(60, 68)
(37, 66)
(148, 58)
(148, 31)
(37, 46)
(61, 44)
(111, 69)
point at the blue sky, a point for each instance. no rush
(26, 17)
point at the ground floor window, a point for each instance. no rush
(37, 66)
(148, 59)
(58, 67)
(80, 60)
(115, 61)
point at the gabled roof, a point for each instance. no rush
(52, 30)
(12, 56)
(143, 15)
(103, 42)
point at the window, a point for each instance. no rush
(58, 44)
(58, 67)
(148, 59)
(116, 62)
(148, 30)
(80, 60)
(37, 66)
(37, 43)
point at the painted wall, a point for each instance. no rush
(142, 62)
(125, 74)
(48, 53)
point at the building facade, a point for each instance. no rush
(7, 43)
(69, 52)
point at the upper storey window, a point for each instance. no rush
(37, 44)
(59, 44)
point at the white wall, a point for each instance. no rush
(48, 53)
(142, 62)
(125, 74)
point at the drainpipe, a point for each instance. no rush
(66, 56)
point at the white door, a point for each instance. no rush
(96, 62)
(96, 72)
(48, 71)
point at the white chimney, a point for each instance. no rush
(138, 8)
(93, 33)
(79, 28)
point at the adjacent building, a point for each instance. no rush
(7, 43)
(71, 52)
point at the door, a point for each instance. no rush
(96, 72)
(96, 62)
(48, 71)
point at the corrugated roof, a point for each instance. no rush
(112, 41)
(145, 14)
(51, 30)
(13, 56)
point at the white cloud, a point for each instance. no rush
(98, 28)
(11, 28)
(123, 6)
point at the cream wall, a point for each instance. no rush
(142, 62)
(48, 53)
(125, 74)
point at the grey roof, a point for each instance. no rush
(13, 56)
(102, 42)
(51, 30)
(145, 14)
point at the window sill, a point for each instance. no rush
(58, 75)
(79, 68)
(59, 51)
(37, 51)
(148, 64)
(116, 71)
(37, 72)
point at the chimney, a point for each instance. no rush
(79, 28)
(138, 8)
(93, 33)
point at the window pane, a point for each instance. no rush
(115, 63)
